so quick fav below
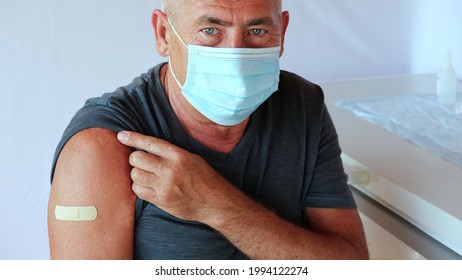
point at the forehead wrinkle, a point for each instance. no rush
(268, 21)
(212, 20)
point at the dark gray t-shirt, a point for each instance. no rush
(288, 159)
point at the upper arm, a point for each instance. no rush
(93, 170)
(340, 223)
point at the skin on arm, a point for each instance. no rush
(185, 186)
(330, 233)
(93, 170)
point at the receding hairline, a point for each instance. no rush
(166, 5)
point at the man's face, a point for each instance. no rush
(224, 24)
(231, 24)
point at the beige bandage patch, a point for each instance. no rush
(75, 213)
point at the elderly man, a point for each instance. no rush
(216, 154)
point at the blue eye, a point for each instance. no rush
(209, 31)
(257, 32)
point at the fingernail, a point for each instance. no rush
(122, 136)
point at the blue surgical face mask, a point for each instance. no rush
(227, 85)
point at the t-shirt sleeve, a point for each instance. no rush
(95, 114)
(328, 187)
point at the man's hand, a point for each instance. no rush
(178, 182)
(185, 186)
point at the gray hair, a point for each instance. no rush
(170, 7)
(163, 4)
(166, 5)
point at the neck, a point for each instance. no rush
(213, 136)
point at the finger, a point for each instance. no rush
(143, 178)
(147, 194)
(145, 161)
(150, 144)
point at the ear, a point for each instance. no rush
(285, 24)
(160, 24)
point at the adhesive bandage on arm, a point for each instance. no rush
(75, 213)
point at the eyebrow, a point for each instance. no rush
(261, 21)
(268, 21)
(212, 20)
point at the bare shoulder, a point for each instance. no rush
(93, 170)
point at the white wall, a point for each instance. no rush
(339, 39)
(437, 28)
(54, 54)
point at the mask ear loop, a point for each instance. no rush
(169, 59)
(176, 33)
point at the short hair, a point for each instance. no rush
(165, 5)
